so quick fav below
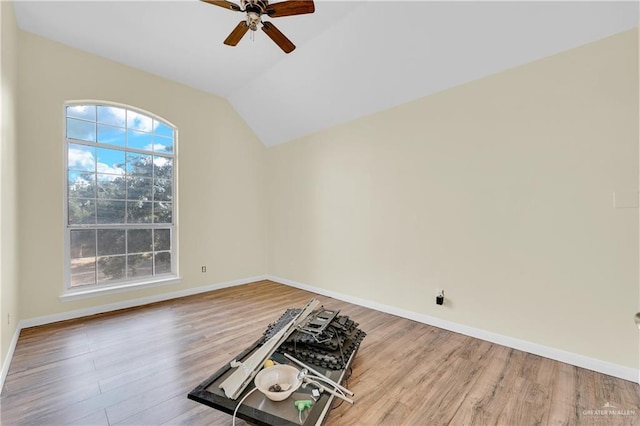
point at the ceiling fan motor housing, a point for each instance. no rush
(257, 6)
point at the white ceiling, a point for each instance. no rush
(352, 58)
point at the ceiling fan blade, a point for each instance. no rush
(279, 38)
(224, 3)
(237, 33)
(291, 7)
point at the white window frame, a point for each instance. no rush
(91, 290)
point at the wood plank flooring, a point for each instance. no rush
(136, 366)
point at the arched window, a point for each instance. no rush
(120, 198)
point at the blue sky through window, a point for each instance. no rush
(117, 127)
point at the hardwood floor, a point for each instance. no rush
(136, 367)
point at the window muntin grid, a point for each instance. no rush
(120, 195)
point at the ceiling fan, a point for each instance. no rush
(255, 9)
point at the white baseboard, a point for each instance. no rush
(47, 319)
(600, 366)
(627, 373)
(9, 357)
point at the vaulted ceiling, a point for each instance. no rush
(352, 58)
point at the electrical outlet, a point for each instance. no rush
(8, 319)
(440, 297)
(204, 269)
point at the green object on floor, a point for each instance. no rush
(303, 404)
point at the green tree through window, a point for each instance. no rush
(120, 195)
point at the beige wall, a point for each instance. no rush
(498, 191)
(222, 221)
(8, 180)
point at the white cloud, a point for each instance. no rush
(82, 111)
(160, 161)
(105, 168)
(139, 122)
(157, 147)
(112, 115)
(80, 159)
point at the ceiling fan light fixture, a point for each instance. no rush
(253, 19)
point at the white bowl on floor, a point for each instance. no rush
(284, 375)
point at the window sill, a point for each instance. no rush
(86, 293)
